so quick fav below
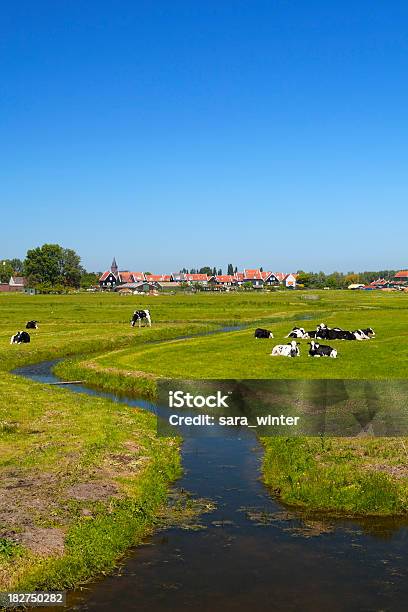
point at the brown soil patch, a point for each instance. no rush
(92, 491)
(398, 471)
(24, 499)
(42, 541)
(131, 446)
(123, 464)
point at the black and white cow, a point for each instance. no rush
(310, 334)
(337, 333)
(341, 334)
(366, 334)
(21, 337)
(32, 325)
(286, 350)
(321, 350)
(139, 316)
(297, 332)
(263, 333)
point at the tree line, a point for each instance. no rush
(209, 270)
(49, 267)
(339, 280)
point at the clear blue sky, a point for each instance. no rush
(189, 133)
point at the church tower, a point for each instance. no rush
(114, 267)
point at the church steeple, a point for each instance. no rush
(114, 267)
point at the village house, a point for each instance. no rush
(290, 281)
(16, 284)
(254, 277)
(158, 278)
(196, 278)
(110, 278)
(401, 277)
(223, 281)
(141, 287)
(239, 277)
(270, 279)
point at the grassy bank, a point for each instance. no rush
(364, 476)
(81, 480)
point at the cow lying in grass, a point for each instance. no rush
(336, 333)
(32, 325)
(139, 316)
(263, 333)
(368, 331)
(21, 337)
(286, 350)
(326, 333)
(297, 332)
(321, 350)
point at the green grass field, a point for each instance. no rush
(238, 354)
(52, 442)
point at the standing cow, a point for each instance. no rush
(139, 316)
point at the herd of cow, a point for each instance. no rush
(322, 332)
(23, 337)
(291, 349)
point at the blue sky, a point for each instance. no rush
(190, 133)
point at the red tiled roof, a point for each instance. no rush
(105, 275)
(239, 276)
(196, 277)
(138, 276)
(402, 274)
(280, 276)
(126, 277)
(152, 278)
(158, 278)
(253, 274)
(225, 278)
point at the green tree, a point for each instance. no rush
(53, 265)
(6, 270)
(44, 264)
(303, 278)
(17, 265)
(71, 268)
(89, 279)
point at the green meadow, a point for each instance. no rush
(238, 354)
(102, 465)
